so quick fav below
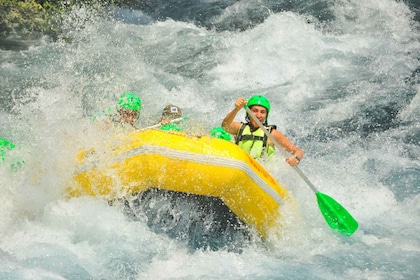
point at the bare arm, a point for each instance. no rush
(297, 153)
(228, 124)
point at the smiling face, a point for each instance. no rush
(260, 112)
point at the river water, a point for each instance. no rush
(343, 81)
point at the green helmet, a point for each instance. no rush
(129, 101)
(261, 101)
(4, 147)
(4, 144)
(220, 133)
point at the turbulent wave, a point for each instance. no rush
(343, 81)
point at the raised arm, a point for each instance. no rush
(228, 124)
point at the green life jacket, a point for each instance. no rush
(171, 127)
(255, 143)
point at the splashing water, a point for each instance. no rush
(342, 78)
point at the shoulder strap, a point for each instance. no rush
(269, 129)
(265, 140)
(239, 135)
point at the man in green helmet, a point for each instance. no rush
(250, 137)
(128, 108)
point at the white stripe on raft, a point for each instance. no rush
(193, 157)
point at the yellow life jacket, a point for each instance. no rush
(255, 143)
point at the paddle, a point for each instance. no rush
(337, 217)
(159, 124)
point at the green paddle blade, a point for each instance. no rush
(336, 215)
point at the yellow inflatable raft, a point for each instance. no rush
(179, 162)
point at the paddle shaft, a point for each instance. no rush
(279, 147)
(159, 124)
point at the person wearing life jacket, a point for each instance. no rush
(170, 113)
(250, 137)
(128, 111)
